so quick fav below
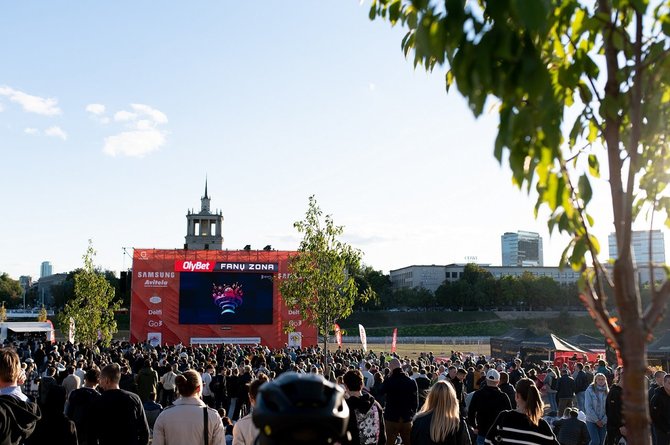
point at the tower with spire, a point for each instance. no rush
(204, 230)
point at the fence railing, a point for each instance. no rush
(355, 339)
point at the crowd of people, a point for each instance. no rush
(245, 394)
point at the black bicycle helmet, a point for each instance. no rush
(300, 409)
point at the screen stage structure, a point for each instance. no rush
(212, 297)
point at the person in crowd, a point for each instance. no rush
(168, 382)
(422, 385)
(367, 375)
(46, 382)
(80, 402)
(18, 416)
(660, 412)
(245, 432)
(550, 382)
(233, 390)
(486, 404)
(54, 427)
(147, 381)
(439, 421)
(525, 424)
(581, 384)
(516, 372)
(71, 381)
(565, 390)
(570, 430)
(218, 388)
(207, 394)
(595, 403)
(615, 422)
(376, 390)
(243, 403)
(366, 417)
(402, 402)
(188, 419)
(506, 387)
(151, 409)
(117, 415)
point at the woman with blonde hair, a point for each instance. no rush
(188, 420)
(439, 420)
(595, 408)
(524, 424)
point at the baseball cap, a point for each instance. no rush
(493, 375)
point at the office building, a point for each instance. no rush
(522, 249)
(643, 250)
(427, 277)
(46, 269)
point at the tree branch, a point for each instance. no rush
(656, 309)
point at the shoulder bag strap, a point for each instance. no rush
(206, 420)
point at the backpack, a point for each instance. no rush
(368, 425)
(554, 381)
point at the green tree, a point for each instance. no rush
(377, 286)
(602, 72)
(3, 313)
(10, 290)
(320, 285)
(42, 315)
(93, 305)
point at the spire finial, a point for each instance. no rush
(206, 186)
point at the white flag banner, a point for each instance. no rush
(70, 332)
(364, 338)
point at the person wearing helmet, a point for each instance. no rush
(301, 409)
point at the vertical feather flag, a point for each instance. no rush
(395, 340)
(338, 335)
(364, 338)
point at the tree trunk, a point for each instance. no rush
(633, 348)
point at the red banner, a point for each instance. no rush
(395, 340)
(338, 335)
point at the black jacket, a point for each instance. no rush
(660, 410)
(420, 434)
(402, 399)
(613, 408)
(565, 387)
(363, 405)
(17, 420)
(485, 405)
(581, 382)
(508, 389)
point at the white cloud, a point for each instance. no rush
(155, 115)
(142, 136)
(30, 130)
(56, 132)
(123, 116)
(96, 109)
(136, 143)
(32, 104)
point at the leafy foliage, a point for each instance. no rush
(320, 284)
(10, 290)
(600, 71)
(93, 305)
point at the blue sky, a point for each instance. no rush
(113, 113)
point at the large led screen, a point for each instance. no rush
(225, 298)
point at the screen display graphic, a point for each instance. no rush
(225, 298)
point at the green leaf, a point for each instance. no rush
(593, 132)
(594, 166)
(449, 79)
